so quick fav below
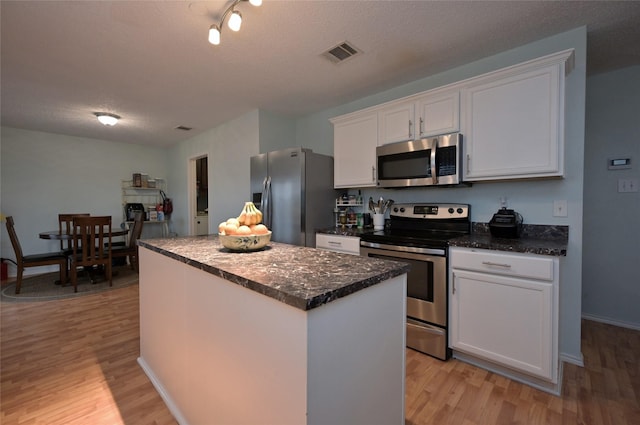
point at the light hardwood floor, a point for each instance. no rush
(74, 362)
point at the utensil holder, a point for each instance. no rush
(378, 221)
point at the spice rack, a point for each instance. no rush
(351, 210)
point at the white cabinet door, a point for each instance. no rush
(355, 137)
(513, 122)
(396, 122)
(503, 308)
(503, 319)
(438, 114)
(429, 114)
(202, 225)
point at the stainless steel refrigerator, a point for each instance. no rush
(294, 190)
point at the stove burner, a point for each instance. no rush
(423, 226)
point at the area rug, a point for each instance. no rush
(43, 288)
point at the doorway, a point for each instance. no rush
(199, 195)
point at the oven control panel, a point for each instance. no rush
(430, 211)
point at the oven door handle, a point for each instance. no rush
(413, 249)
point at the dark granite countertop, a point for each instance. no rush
(535, 239)
(345, 231)
(304, 278)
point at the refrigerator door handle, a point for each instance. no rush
(263, 197)
(266, 206)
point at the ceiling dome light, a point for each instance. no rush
(214, 34)
(235, 21)
(107, 118)
(256, 2)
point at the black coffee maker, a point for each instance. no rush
(506, 224)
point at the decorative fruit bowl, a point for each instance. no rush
(245, 242)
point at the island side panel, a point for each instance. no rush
(244, 355)
(357, 357)
(163, 351)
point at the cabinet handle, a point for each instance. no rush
(373, 174)
(335, 243)
(453, 284)
(421, 126)
(410, 124)
(489, 263)
(468, 161)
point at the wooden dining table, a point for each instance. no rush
(57, 235)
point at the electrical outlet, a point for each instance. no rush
(627, 185)
(560, 208)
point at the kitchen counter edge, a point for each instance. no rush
(535, 239)
(304, 278)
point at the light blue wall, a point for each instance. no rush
(533, 199)
(44, 174)
(276, 132)
(229, 148)
(611, 266)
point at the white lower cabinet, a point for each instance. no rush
(338, 243)
(201, 225)
(504, 309)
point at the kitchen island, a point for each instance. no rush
(284, 335)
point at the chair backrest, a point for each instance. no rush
(90, 234)
(136, 230)
(65, 225)
(14, 239)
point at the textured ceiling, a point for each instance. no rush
(150, 62)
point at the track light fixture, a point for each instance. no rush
(107, 118)
(234, 23)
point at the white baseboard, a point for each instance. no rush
(173, 408)
(554, 388)
(568, 358)
(610, 321)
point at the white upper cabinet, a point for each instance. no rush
(355, 137)
(513, 121)
(438, 113)
(428, 114)
(396, 122)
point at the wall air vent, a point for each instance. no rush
(183, 128)
(341, 52)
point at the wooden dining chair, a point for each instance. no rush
(130, 250)
(34, 260)
(65, 225)
(90, 243)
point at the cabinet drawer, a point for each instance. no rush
(344, 244)
(519, 265)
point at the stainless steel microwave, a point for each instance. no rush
(426, 162)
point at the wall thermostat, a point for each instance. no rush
(618, 163)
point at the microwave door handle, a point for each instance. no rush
(434, 170)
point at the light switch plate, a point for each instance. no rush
(560, 208)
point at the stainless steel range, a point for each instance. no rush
(418, 234)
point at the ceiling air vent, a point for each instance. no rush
(183, 128)
(341, 52)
